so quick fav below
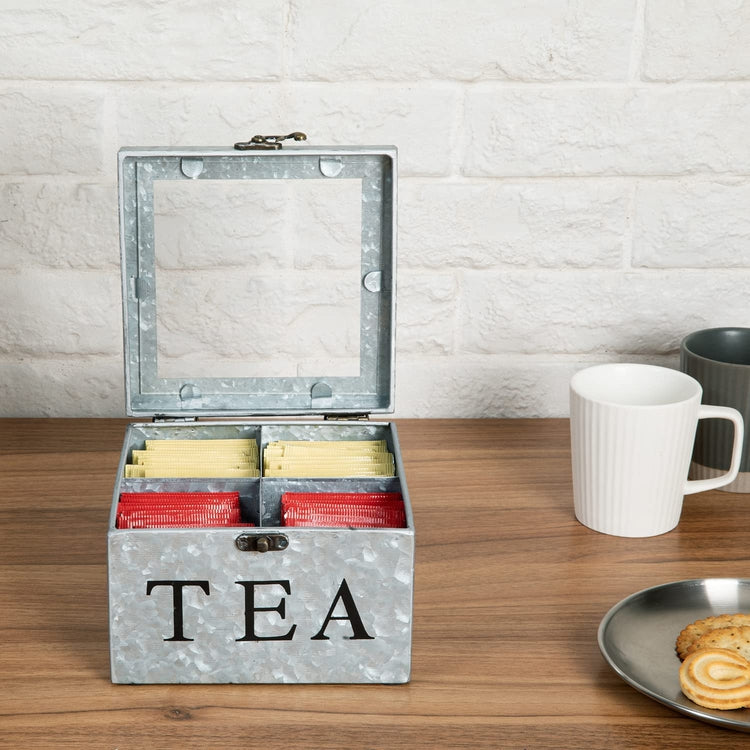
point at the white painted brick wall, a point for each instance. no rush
(574, 177)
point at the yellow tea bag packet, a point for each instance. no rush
(195, 458)
(187, 465)
(332, 471)
(326, 446)
(233, 444)
(198, 471)
(142, 457)
(167, 471)
(379, 459)
(335, 458)
(297, 454)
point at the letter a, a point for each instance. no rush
(352, 615)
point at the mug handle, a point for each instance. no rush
(720, 412)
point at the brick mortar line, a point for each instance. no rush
(102, 180)
(629, 231)
(638, 47)
(624, 83)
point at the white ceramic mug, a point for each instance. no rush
(632, 429)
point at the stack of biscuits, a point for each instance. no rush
(715, 655)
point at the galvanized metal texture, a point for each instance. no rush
(269, 604)
(296, 588)
(294, 592)
(372, 390)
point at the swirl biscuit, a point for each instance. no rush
(689, 635)
(716, 678)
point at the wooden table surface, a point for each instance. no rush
(509, 592)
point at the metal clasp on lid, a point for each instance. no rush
(261, 542)
(268, 142)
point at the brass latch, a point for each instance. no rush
(261, 542)
(268, 142)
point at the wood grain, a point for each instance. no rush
(509, 593)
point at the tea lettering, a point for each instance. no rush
(343, 596)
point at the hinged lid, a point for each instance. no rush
(258, 281)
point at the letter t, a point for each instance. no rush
(177, 587)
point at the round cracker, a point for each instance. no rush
(689, 635)
(735, 639)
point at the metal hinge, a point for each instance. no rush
(268, 142)
(346, 417)
(167, 418)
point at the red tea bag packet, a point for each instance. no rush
(145, 510)
(341, 497)
(166, 518)
(343, 509)
(176, 498)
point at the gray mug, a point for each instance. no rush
(719, 359)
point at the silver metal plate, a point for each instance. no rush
(637, 638)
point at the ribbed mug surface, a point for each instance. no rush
(630, 464)
(632, 431)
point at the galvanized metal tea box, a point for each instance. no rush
(259, 302)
